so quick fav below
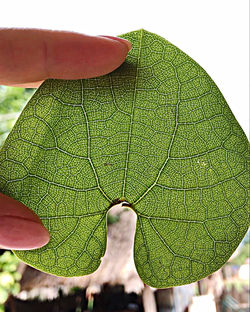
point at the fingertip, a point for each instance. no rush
(22, 234)
(127, 43)
(82, 56)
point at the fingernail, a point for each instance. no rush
(124, 41)
(20, 233)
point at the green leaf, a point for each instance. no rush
(3, 295)
(156, 133)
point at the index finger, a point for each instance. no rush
(32, 55)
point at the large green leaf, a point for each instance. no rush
(156, 133)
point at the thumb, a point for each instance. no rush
(20, 227)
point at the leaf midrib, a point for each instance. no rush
(132, 117)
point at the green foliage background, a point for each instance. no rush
(12, 101)
(9, 277)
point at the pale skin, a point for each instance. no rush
(27, 58)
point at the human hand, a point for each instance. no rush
(27, 57)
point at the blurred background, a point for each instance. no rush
(214, 33)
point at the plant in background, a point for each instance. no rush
(12, 101)
(157, 136)
(243, 254)
(9, 277)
